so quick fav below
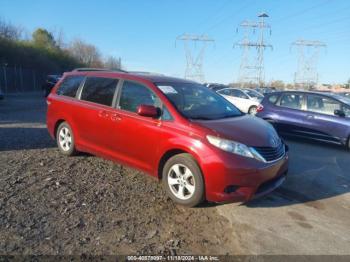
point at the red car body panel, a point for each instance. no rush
(141, 142)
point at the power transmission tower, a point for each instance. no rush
(194, 60)
(306, 75)
(252, 69)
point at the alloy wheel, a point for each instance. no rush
(253, 110)
(65, 139)
(181, 181)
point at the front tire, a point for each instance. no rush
(183, 180)
(65, 139)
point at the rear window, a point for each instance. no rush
(69, 86)
(99, 90)
(293, 101)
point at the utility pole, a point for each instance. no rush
(194, 60)
(306, 75)
(252, 69)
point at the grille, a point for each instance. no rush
(271, 153)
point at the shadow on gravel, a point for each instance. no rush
(316, 171)
(19, 138)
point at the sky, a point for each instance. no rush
(143, 32)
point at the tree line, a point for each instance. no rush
(46, 53)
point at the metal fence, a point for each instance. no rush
(18, 79)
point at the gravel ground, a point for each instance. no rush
(51, 204)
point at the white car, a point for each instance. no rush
(247, 100)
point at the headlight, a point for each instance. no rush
(231, 146)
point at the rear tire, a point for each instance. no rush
(183, 180)
(253, 110)
(65, 139)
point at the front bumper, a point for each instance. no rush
(240, 180)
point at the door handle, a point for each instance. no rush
(310, 117)
(115, 117)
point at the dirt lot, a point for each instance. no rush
(50, 204)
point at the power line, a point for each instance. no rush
(216, 13)
(317, 26)
(298, 13)
(221, 21)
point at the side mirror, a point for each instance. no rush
(340, 113)
(148, 111)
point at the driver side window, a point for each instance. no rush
(134, 94)
(322, 105)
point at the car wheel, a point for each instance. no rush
(65, 139)
(253, 110)
(183, 180)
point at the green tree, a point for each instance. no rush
(43, 38)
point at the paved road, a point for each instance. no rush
(309, 214)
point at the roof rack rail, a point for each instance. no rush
(97, 70)
(144, 73)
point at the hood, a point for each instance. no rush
(246, 129)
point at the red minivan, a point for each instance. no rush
(200, 145)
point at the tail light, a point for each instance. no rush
(260, 108)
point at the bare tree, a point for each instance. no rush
(86, 54)
(113, 63)
(9, 31)
(59, 36)
(279, 84)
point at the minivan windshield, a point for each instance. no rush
(194, 101)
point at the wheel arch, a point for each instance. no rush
(172, 152)
(251, 106)
(57, 124)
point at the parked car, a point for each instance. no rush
(216, 87)
(1, 95)
(50, 82)
(247, 100)
(191, 138)
(320, 116)
(265, 90)
(346, 94)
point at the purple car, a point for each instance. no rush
(319, 116)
